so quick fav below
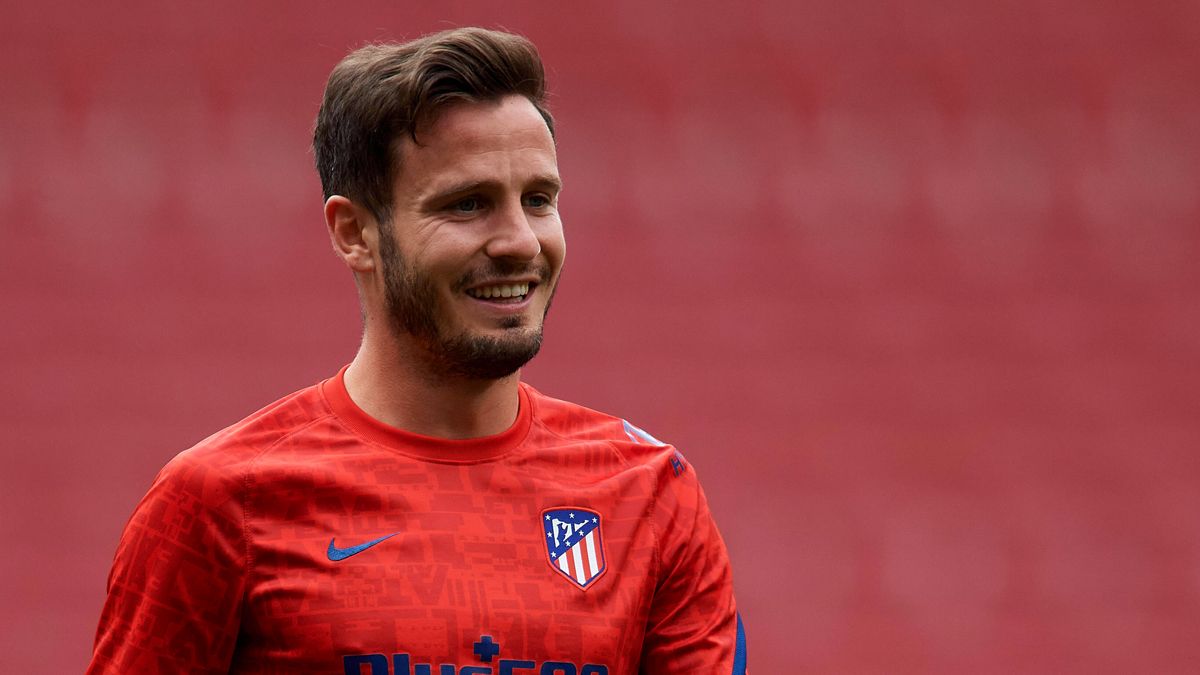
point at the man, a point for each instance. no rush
(423, 511)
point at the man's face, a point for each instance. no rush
(474, 248)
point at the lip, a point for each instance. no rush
(504, 308)
(533, 281)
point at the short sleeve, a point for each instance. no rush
(693, 626)
(178, 578)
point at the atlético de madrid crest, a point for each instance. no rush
(574, 544)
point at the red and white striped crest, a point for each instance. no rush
(574, 543)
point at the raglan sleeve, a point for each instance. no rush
(693, 626)
(178, 578)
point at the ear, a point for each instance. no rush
(353, 232)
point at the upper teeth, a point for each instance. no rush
(509, 291)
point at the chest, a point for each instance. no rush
(444, 564)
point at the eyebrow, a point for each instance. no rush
(545, 181)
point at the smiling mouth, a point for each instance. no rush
(502, 293)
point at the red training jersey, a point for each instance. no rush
(312, 538)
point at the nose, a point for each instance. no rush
(513, 236)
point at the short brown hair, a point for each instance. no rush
(380, 92)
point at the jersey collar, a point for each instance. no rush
(426, 447)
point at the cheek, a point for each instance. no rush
(446, 258)
(554, 243)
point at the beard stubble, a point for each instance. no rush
(414, 307)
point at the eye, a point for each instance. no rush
(537, 201)
(467, 205)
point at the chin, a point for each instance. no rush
(484, 356)
(512, 322)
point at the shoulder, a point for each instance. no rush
(224, 457)
(572, 422)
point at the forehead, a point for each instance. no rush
(492, 140)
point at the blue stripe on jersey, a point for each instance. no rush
(739, 649)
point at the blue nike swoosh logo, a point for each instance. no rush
(335, 554)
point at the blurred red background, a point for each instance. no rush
(912, 284)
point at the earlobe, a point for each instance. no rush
(351, 232)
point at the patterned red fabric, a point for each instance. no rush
(226, 564)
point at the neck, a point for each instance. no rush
(389, 381)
